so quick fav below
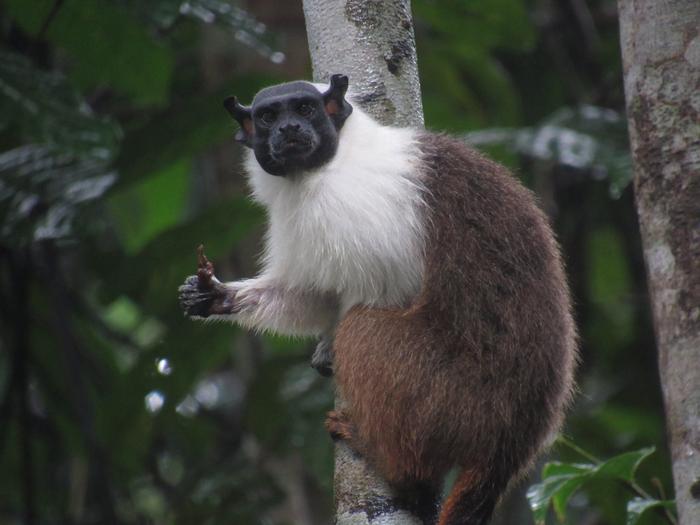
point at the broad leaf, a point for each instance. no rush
(65, 161)
(241, 24)
(623, 466)
(560, 481)
(557, 468)
(41, 192)
(638, 506)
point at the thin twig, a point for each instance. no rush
(573, 446)
(49, 18)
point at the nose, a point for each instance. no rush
(290, 128)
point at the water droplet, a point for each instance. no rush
(164, 367)
(154, 401)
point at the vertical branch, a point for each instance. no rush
(20, 275)
(661, 57)
(373, 43)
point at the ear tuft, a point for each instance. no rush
(337, 108)
(242, 115)
(339, 82)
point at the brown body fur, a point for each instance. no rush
(477, 372)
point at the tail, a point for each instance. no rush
(472, 499)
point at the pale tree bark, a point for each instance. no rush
(372, 42)
(661, 55)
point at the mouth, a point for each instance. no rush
(293, 147)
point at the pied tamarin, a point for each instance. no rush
(432, 277)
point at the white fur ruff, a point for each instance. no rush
(353, 227)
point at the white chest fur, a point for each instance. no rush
(354, 226)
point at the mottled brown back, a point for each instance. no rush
(478, 370)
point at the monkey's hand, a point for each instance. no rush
(203, 295)
(200, 298)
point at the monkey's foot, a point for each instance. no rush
(322, 359)
(339, 426)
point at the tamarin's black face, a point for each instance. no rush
(293, 127)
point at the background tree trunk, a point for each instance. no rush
(372, 42)
(661, 55)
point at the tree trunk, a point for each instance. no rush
(372, 42)
(661, 55)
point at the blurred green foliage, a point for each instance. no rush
(115, 409)
(562, 480)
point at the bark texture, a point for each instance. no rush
(661, 55)
(372, 42)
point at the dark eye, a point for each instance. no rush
(305, 109)
(267, 117)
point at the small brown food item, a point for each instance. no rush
(205, 269)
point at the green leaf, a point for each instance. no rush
(638, 506)
(560, 481)
(106, 45)
(41, 192)
(557, 468)
(556, 491)
(623, 466)
(241, 24)
(65, 161)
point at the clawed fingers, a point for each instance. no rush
(191, 284)
(194, 302)
(204, 300)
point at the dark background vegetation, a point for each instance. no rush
(117, 160)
